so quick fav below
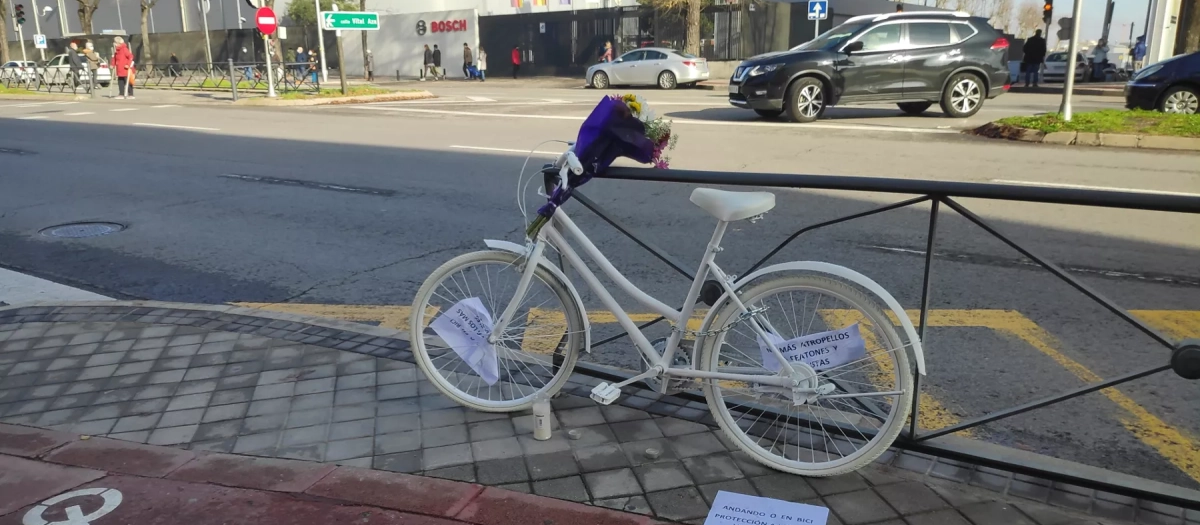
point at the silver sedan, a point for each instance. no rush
(649, 66)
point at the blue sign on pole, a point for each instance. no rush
(818, 9)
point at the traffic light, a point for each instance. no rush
(1064, 28)
(20, 14)
(1048, 11)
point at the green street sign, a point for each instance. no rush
(334, 20)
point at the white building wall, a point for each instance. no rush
(397, 46)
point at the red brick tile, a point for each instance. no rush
(29, 442)
(503, 507)
(24, 482)
(254, 473)
(390, 490)
(122, 456)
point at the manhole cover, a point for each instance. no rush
(82, 230)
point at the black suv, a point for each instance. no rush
(912, 59)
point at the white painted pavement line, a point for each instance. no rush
(80, 113)
(35, 117)
(854, 127)
(167, 106)
(172, 126)
(508, 150)
(17, 288)
(1100, 188)
(124, 109)
(481, 99)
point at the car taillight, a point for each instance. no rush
(1000, 43)
(1007, 87)
(689, 63)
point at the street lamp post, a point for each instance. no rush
(321, 43)
(1072, 52)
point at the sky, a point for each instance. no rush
(1124, 13)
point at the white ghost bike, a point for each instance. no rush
(805, 365)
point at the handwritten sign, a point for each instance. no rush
(730, 508)
(821, 351)
(465, 327)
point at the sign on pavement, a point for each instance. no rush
(39, 41)
(360, 20)
(264, 20)
(818, 9)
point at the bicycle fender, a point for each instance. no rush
(512, 247)
(844, 273)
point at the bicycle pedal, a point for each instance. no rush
(605, 393)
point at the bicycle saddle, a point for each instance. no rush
(732, 206)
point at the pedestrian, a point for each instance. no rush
(481, 64)
(173, 69)
(427, 62)
(370, 66)
(516, 61)
(301, 63)
(93, 59)
(75, 60)
(899, 7)
(313, 67)
(1139, 53)
(607, 54)
(1035, 54)
(122, 61)
(438, 73)
(467, 61)
(1099, 59)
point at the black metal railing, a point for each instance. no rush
(247, 76)
(1184, 358)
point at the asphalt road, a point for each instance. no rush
(391, 191)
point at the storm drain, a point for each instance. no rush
(82, 230)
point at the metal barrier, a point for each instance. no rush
(245, 76)
(1184, 359)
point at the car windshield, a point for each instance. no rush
(833, 38)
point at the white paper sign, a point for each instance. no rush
(821, 351)
(465, 327)
(730, 508)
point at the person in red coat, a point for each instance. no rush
(516, 61)
(122, 61)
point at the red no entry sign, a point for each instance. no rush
(264, 18)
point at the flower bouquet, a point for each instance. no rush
(619, 126)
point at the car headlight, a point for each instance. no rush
(1146, 72)
(761, 70)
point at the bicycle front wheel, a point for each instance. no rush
(534, 354)
(845, 345)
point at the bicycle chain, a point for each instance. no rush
(709, 333)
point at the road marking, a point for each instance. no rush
(74, 514)
(80, 113)
(1101, 188)
(167, 106)
(171, 126)
(35, 117)
(507, 150)
(481, 99)
(854, 127)
(1179, 324)
(24, 105)
(124, 109)
(17, 288)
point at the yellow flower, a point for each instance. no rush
(636, 108)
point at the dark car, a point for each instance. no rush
(911, 59)
(1171, 86)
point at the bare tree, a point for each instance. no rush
(4, 31)
(147, 56)
(691, 8)
(87, 8)
(1002, 14)
(362, 6)
(1029, 19)
(944, 4)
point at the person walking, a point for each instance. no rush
(301, 64)
(1139, 53)
(370, 66)
(122, 61)
(313, 67)
(607, 55)
(481, 64)
(1035, 54)
(93, 60)
(1100, 59)
(437, 64)
(516, 61)
(427, 62)
(173, 69)
(75, 60)
(468, 59)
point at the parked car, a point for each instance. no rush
(911, 59)
(1170, 86)
(18, 71)
(58, 71)
(1054, 69)
(649, 66)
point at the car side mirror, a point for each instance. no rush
(853, 47)
(618, 61)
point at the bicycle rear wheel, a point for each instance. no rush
(830, 434)
(533, 356)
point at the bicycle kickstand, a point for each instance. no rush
(606, 393)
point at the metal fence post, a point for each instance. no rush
(233, 81)
(92, 83)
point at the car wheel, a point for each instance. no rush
(600, 80)
(1180, 99)
(963, 96)
(914, 108)
(805, 100)
(667, 80)
(769, 113)
(104, 84)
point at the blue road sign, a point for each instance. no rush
(818, 9)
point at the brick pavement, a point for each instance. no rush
(234, 380)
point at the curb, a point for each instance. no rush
(1083, 138)
(451, 501)
(1098, 92)
(386, 97)
(37, 95)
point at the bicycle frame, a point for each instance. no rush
(553, 232)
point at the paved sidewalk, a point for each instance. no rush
(248, 382)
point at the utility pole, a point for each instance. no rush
(1072, 52)
(341, 57)
(321, 42)
(37, 26)
(204, 5)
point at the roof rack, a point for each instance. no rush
(922, 14)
